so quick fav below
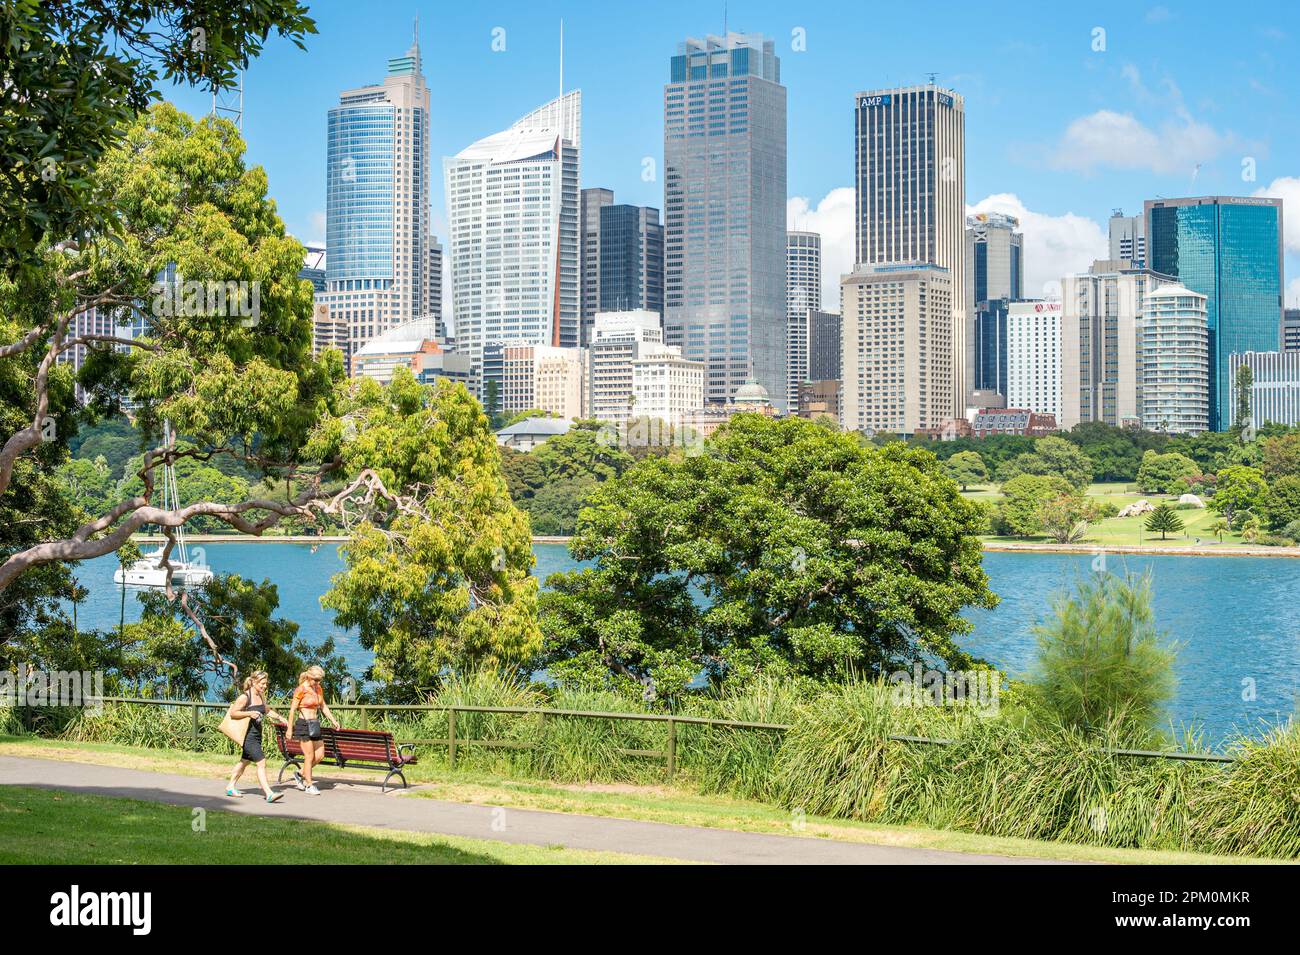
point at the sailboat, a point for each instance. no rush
(149, 570)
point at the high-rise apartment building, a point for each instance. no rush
(377, 213)
(617, 340)
(897, 348)
(724, 211)
(513, 207)
(631, 259)
(1175, 361)
(1101, 343)
(1034, 357)
(1229, 249)
(1128, 238)
(593, 200)
(910, 188)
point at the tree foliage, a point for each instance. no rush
(77, 72)
(1165, 520)
(784, 545)
(1101, 658)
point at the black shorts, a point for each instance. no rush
(252, 751)
(306, 729)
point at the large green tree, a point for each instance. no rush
(783, 544)
(1162, 473)
(77, 72)
(231, 368)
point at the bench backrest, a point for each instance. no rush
(346, 745)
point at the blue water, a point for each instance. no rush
(1236, 619)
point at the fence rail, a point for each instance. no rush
(454, 741)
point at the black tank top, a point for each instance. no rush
(260, 708)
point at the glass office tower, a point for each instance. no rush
(631, 259)
(377, 219)
(1230, 250)
(724, 212)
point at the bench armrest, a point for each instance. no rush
(410, 746)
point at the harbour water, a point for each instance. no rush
(1236, 620)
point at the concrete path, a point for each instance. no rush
(363, 804)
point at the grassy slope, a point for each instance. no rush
(46, 827)
(650, 803)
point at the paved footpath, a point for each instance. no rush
(361, 803)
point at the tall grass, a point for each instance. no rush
(1000, 775)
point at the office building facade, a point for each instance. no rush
(1228, 249)
(910, 188)
(1128, 238)
(665, 385)
(542, 377)
(724, 211)
(1274, 390)
(513, 255)
(1291, 329)
(631, 259)
(617, 340)
(593, 200)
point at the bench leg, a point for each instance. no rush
(391, 774)
(292, 762)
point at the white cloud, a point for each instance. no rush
(1120, 140)
(1055, 246)
(832, 219)
(1287, 188)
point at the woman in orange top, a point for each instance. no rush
(304, 725)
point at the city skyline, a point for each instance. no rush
(1139, 108)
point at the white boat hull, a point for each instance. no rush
(149, 573)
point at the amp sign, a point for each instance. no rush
(879, 100)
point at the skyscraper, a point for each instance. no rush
(803, 294)
(995, 276)
(1230, 250)
(593, 200)
(377, 203)
(1128, 238)
(1291, 329)
(513, 206)
(724, 211)
(631, 259)
(910, 189)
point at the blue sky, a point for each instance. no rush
(1063, 123)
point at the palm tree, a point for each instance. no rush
(1219, 528)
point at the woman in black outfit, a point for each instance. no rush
(251, 705)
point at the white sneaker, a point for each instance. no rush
(312, 790)
(297, 781)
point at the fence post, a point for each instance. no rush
(451, 736)
(194, 724)
(365, 717)
(672, 748)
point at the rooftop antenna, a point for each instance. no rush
(932, 77)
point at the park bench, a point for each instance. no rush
(347, 748)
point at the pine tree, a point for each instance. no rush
(1165, 520)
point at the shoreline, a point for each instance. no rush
(1045, 547)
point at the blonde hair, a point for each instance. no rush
(253, 678)
(315, 672)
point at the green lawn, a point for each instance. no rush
(1128, 530)
(666, 804)
(44, 826)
